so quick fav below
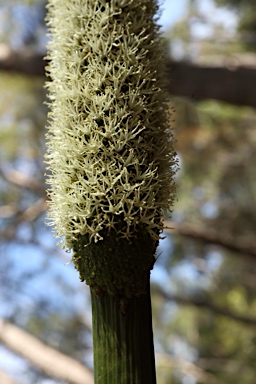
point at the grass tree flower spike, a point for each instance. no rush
(110, 147)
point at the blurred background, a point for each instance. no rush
(203, 283)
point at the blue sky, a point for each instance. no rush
(172, 10)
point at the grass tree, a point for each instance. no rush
(112, 165)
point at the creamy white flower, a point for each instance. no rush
(110, 152)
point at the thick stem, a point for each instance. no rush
(123, 342)
(118, 272)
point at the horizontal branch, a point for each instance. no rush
(22, 180)
(211, 237)
(25, 62)
(206, 304)
(48, 360)
(232, 85)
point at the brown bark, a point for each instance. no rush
(25, 62)
(233, 85)
(48, 360)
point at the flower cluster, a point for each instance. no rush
(110, 150)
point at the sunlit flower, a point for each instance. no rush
(110, 152)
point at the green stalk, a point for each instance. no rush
(118, 272)
(123, 342)
(112, 164)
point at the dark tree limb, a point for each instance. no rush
(27, 63)
(234, 85)
(206, 304)
(212, 237)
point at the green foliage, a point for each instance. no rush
(236, 3)
(16, 100)
(247, 19)
(216, 143)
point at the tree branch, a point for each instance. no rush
(11, 211)
(186, 367)
(25, 62)
(212, 237)
(232, 85)
(29, 214)
(6, 379)
(20, 179)
(206, 304)
(48, 360)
